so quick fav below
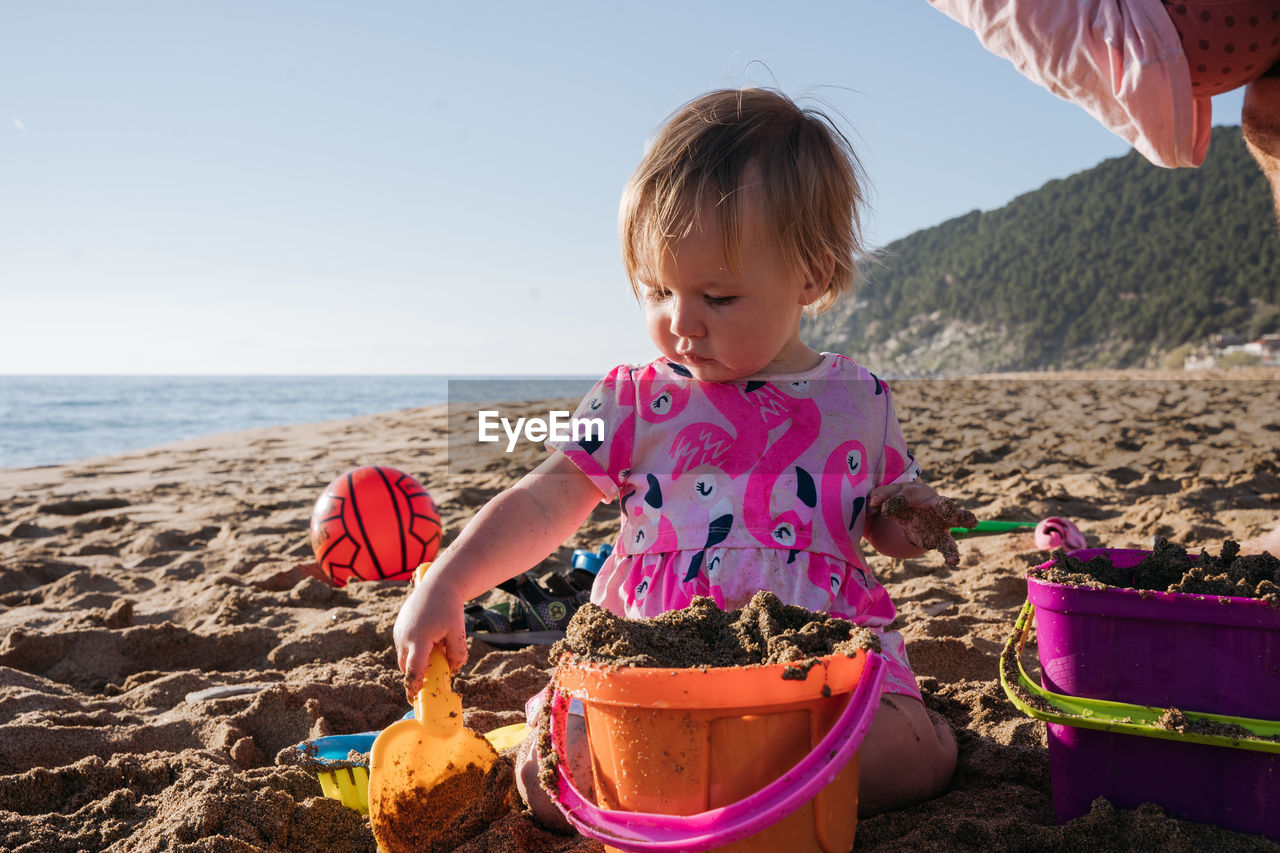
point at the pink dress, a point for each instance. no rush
(727, 488)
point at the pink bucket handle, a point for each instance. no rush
(645, 831)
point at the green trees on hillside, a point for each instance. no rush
(1125, 251)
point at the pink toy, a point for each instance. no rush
(1054, 532)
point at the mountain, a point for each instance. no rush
(1117, 266)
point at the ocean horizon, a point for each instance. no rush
(58, 419)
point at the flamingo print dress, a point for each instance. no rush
(727, 488)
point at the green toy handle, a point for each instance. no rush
(1120, 717)
(990, 526)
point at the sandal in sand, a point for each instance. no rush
(529, 611)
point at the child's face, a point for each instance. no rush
(723, 323)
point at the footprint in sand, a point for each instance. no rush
(29, 530)
(91, 658)
(99, 522)
(176, 540)
(81, 506)
(31, 574)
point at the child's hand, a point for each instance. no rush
(920, 516)
(431, 614)
(510, 533)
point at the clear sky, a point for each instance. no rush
(299, 186)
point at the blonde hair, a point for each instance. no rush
(810, 190)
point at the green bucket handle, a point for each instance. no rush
(1118, 717)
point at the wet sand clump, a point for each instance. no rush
(438, 818)
(929, 526)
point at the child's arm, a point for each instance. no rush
(1260, 123)
(510, 534)
(907, 519)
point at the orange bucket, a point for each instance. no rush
(747, 758)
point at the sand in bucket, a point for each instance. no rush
(736, 730)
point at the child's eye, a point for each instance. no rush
(656, 294)
(721, 301)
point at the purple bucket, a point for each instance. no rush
(1211, 654)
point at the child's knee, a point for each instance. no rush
(945, 764)
(909, 755)
(934, 745)
(529, 767)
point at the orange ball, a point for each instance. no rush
(374, 523)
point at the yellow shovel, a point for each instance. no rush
(426, 772)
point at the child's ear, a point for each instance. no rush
(819, 279)
(810, 294)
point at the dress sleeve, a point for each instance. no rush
(898, 464)
(601, 432)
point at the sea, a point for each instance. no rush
(54, 420)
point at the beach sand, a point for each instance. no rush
(134, 586)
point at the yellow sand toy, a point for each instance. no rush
(426, 772)
(408, 760)
(342, 767)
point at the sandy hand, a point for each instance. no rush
(929, 525)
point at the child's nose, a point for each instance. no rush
(685, 319)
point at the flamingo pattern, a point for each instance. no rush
(727, 488)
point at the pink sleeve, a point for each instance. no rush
(1120, 60)
(602, 430)
(898, 464)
